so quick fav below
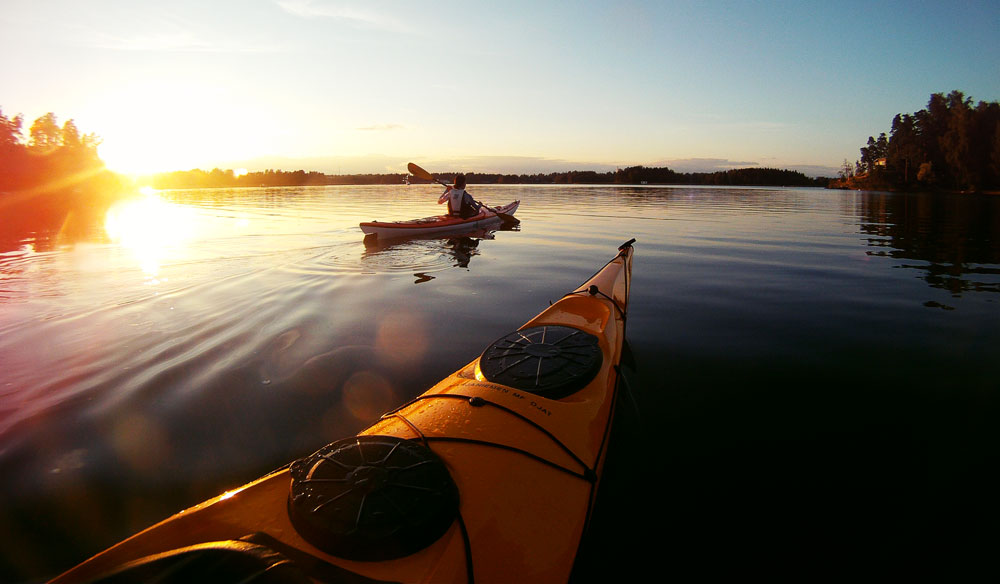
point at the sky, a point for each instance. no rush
(513, 87)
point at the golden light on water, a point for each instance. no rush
(151, 228)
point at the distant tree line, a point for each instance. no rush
(54, 157)
(50, 158)
(633, 175)
(638, 175)
(950, 145)
(218, 178)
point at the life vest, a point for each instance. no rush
(460, 203)
(455, 197)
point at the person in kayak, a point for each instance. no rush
(460, 203)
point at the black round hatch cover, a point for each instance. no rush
(372, 498)
(552, 361)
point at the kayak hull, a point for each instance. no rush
(436, 224)
(525, 463)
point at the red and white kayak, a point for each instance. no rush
(438, 223)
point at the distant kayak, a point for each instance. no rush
(437, 223)
(490, 476)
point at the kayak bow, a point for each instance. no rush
(489, 476)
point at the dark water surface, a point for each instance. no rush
(815, 375)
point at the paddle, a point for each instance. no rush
(421, 173)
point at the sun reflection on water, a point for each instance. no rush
(153, 229)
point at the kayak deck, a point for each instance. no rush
(489, 476)
(436, 223)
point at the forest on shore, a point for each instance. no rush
(52, 158)
(633, 175)
(951, 145)
(52, 180)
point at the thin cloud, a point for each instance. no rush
(173, 42)
(381, 127)
(364, 18)
(517, 165)
(761, 126)
(692, 165)
(704, 164)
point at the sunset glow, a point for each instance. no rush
(354, 87)
(154, 230)
(160, 127)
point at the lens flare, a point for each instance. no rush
(367, 395)
(398, 339)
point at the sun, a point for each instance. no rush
(156, 127)
(131, 156)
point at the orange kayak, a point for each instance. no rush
(489, 476)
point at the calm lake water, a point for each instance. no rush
(814, 374)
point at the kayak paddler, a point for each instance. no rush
(460, 203)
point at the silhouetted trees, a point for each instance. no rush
(53, 157)
(217, 178)
(633, 175)
(873, 155)
(53, 186)
(638, 175)
(952, 144)
(761, 177)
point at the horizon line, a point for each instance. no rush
(325, 166)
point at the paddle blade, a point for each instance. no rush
(419, 172)
(508, 219)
